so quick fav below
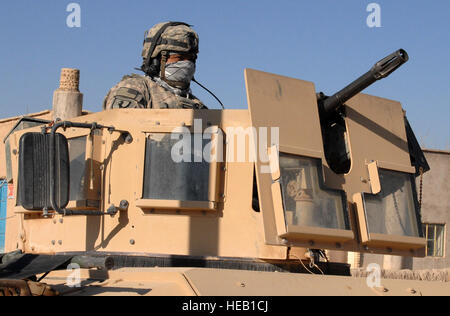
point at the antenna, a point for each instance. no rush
(194, 80)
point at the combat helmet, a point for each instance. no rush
(167, 37)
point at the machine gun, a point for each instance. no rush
(382, 69)
(332, 113)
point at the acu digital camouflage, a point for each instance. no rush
(142, 92)
(180, 38)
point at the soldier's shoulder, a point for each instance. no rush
(139, 84)
(134, 80)
(132, 91)
(199, 103)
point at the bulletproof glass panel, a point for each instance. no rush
(175, 169)
(34, 171)
(393, 211)
(307, 203)
(77, 155)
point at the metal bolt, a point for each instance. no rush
(60, 242)
(61, 221)
(112, 210)
(53, 242)
(14, 151)
(132, 242)
(128, 139)
(124, 205)
(338, 246)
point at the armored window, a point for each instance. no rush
(435, 235)
(171, 177)
(84, 170)
(306, 202)
(77, 156)
(305, 210)
(393, 210)
(391, 218)
(180, 172)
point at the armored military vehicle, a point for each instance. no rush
(218, 202)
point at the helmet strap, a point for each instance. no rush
(176, 84)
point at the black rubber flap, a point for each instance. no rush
(26, 266)
(34, 171)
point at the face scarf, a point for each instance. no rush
(180, 72)
(183, 72)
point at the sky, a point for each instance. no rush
(324, 41)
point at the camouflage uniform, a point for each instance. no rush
(137, 91)
(142, 92)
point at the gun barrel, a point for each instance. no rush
(380, 70)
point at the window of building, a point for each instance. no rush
(435, 234)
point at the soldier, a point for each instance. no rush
(169, 54)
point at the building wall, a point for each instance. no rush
(436, 205)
